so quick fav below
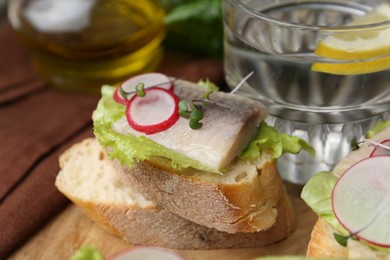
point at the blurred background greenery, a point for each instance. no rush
(194, 25)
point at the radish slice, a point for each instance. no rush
(155, 112)
(146, 253)
(380, 150)
(148, 79)
(361, 200)
(119, 98)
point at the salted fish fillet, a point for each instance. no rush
(229, 126)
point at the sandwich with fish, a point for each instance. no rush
(353, 202)
(181, 165)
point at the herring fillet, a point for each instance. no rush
(228, 127)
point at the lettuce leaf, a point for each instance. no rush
(87, 253)
(268, 138)
(208, 84)
(379, 126)
(128, 149)
(317, 194)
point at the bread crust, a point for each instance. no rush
(94, 212)
(142, 222)
(242, 206)
(156, 226)
(323, 245)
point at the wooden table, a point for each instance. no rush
(72, 229)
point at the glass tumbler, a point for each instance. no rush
(81, 44)
(322, 68)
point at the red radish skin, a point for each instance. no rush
(361, 200)
(149, 80)
(118, 97)
(140, 253)
(381, 150)
(155, 112)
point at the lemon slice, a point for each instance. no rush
(356, 46)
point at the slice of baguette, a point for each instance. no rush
(91, 181)
(323, 245)
(241, 200)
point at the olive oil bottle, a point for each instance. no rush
(82, 44)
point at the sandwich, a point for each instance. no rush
(203, 159)
(353, 202)
(92, 182)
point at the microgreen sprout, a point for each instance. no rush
(354, 145)
(196, 113)
(123, 93)
(140, 89)
(195, 117)
(241, 83)
(342, 240)
(378, 144)
(183, 109)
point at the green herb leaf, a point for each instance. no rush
(140, 89)
(196, 112)
(197, 105)
(342, 240)
(354, 145)
(203, 18)
(183, 109)
(195, 117)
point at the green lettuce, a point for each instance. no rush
(379, 126)
(87, 253)
(195, 26)
(208, 84)
(280, 143)
(317, 193)
(128, 149)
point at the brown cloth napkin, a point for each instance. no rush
(38, 123)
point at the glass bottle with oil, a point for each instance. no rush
(82, 44)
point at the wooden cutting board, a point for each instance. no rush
(71, 230)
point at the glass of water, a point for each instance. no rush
(321, 67)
